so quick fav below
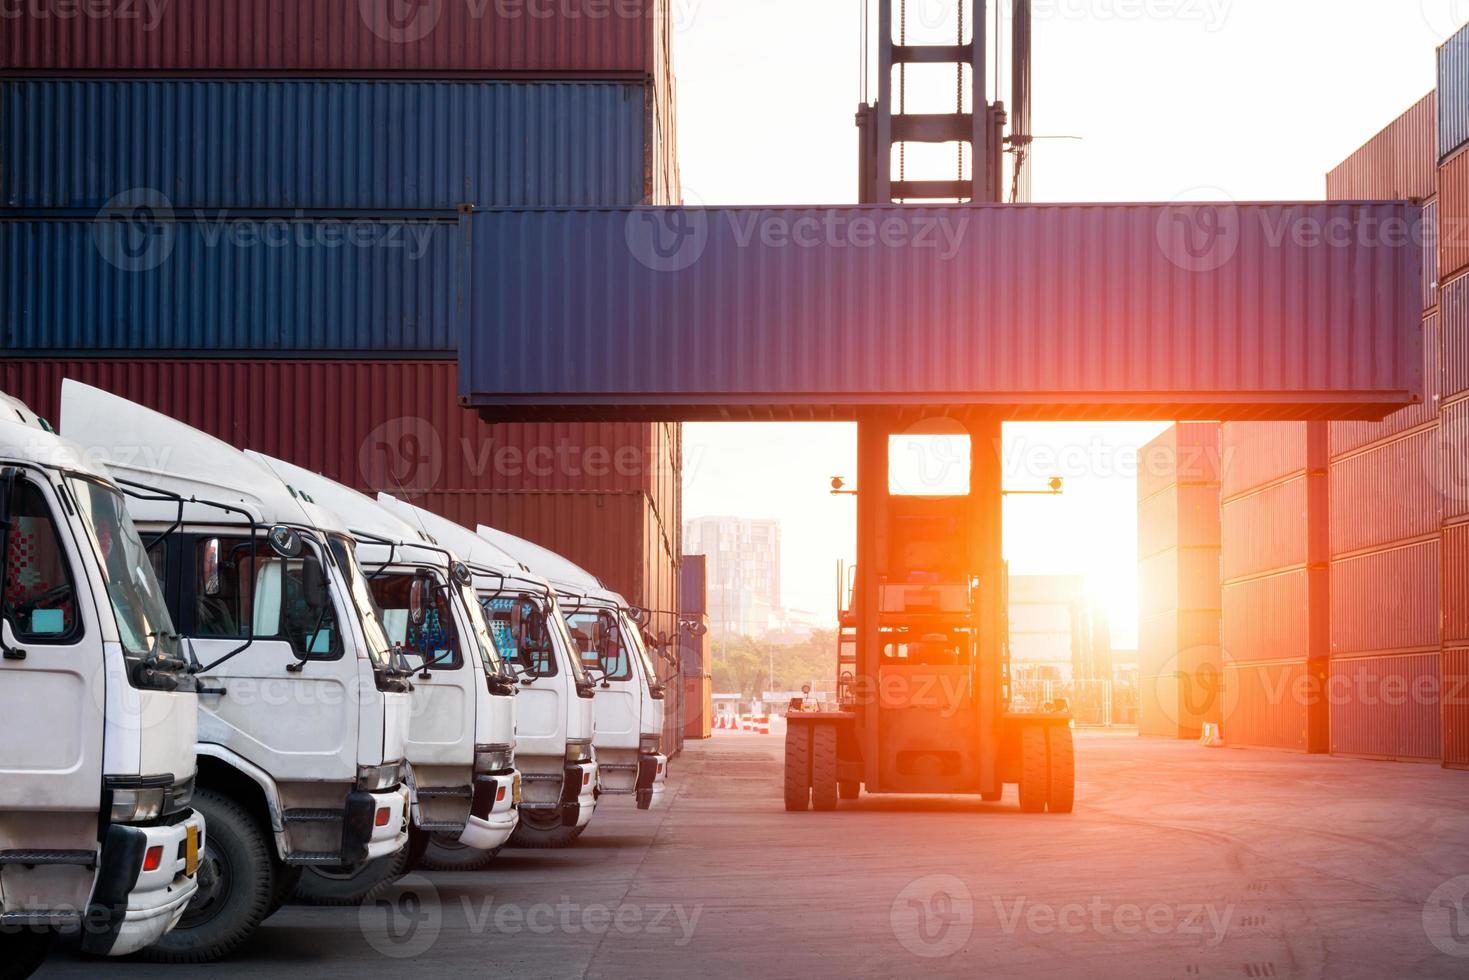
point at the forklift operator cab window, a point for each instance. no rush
(929, 465)
(930, 650)
(433, 642)
(39, 597)
(241, 589)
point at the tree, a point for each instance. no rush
(743, 664)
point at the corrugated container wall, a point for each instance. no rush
(1453, 94)
(323, 143)
(564, 39)
(1454, 305)
(802, 331)
(1398, 164)
(1386, 707)
(1453, 217)
(1455, 671)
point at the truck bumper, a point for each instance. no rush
(579, 794)
(133, 907)
(376, 825)
(652, 778)
(494, 814)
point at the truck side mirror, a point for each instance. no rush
(212, 583)
(313, 582)
(418, 601)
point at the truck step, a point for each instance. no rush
(309, 815)
(540, 806)
(441, 827)
(78, 859)
(38, 919)
(541, 777)
(313, 858)
(617, 766)
(446, 793)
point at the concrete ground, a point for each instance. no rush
(1179, 862)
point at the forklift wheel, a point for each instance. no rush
(798, 768)
(824, 788)
(1034, 770)
(849, 789)
(1062, 795)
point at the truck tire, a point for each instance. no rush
(239, 870)
(1062, 794)
(286, 880)
(1034, 770)
(22, 952)
(540, 833)
(445, 853)
(326, 888)
(798, 768)
(849, 789)
(824, 788)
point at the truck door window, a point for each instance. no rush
(40, 595)
(266, 593)
(435, 641)
(594, 636)
(518, 626)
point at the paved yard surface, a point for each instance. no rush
(1179, 862)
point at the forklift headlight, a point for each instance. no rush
(376, 779)
(137, 805)
(578, 751)
(493, 758)
(650, 744)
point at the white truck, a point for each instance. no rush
(303, 715)
(97, 713)
(554, 709)
(461, 740)
(629, 706)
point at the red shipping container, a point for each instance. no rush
(1386, 494)
(1395, 165)
(1455, 706)
(1349, 436)
(1271, 705)
(1453, 460)
(1265, 531)
(1179, 517)
(1386, 707)
(1455, 333)
(1453, 217)
(1456, 584)
(1184, 454)
(1267, 618)
(517, 38)
(1254, 454)
(1386, 600)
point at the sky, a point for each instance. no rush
(1171, 99)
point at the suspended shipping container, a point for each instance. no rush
(1398, 164)
(1386, 600)
(1056, 310)
(324, 143)
(1386, 707)
(1453, 94)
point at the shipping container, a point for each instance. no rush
(693, 593)
(1453, 460)
(567, 38)
(1185, 453)
(1181, 517)
(1453, 217)
(263, 287)
(1174, 579)
(1271, 705)
(1386, 707)
(1455, 704)
(1430, 255)
(1267, 618)
(210, 144)
(1060, 311)
(1177, 639)
(1266, 530)
(1386, 600)
(1397, 164)
(1347, 437)
(1386, 494)
(698, 702)
(1455, 333)
(1453, 94)
(1257, 454)
(1456, 584)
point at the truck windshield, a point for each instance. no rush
(435, 641)
(589, 628)
(566, 650)
(488, 652)
(379, 647)
(136, 597)
(633, 636)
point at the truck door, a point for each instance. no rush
(520, 630)
(52, 688)
(617, 713)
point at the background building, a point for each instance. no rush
(743, 570)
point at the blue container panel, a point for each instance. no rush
(1453, 94)
(277, 286)
(371, 145)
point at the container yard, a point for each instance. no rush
(421, 426)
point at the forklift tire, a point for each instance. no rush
(1062, 795)
(1034, 770)
(445, 853)
(327, 888)
(824, 785)
(286, 880)
(849, 789)
(798, 768)
(23, 951)
(237, 882)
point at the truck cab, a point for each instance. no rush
(461, 740)
(303, 715)
(97, 765)
(628, 725)
(554, 708)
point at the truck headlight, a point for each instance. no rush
(137, 805)
(376, 779)
(578, 751)
(493, 758)
(650, 744)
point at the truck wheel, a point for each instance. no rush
(849, 789)
(22, 952)
(329, 888)
(824, 789)
(1034, 770)
(541, 833)
(1062, 796)
(445, 853)
(798, 768)
(237, 881)
(286, 880)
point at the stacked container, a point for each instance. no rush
(1179, 656)
(254, 216)
(695, 659)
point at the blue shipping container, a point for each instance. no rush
(141, 283)
(318, 144)
(1453, 94)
